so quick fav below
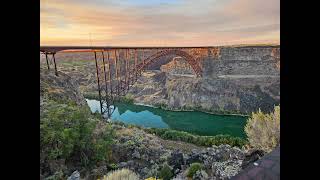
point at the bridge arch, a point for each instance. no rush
(192, 61)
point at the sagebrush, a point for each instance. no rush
(263, 129)
(121, 174)
(194, 167)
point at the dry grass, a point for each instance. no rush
(121, 174)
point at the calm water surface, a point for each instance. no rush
(194, 122)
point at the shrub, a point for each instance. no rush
(128, 98)
(263, 130)
(121, 174)
(196, 139)
(153, 172)
(66, 131)
(194, 167)
(56, 176)
(113, 166)
(166, 172)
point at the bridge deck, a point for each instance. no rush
(93, 48)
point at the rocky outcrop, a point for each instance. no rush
(177, 66)
(234, 94)
(74, 176)
(145, 153)
(62, 88)
(231, 94)
(150, 88)
(138, 151)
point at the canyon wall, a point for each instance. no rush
(235, 80)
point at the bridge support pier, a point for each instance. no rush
(105, 96)
(118, 79)
(54, 61)
(135, 65)
(98, 80)
(47, 60)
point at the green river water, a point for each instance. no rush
(190, 121)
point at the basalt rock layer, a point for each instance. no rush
(235, 80)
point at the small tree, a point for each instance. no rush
(263, 130)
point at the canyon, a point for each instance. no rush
(235, 79)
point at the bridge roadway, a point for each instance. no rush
(94, 48)
(54, 49)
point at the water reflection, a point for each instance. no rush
(143, 118)
(194, 122)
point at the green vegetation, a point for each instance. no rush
(194, 167)
(166, 172)
(113, 166)
(263, 130)
(67, 132)
(175, 135)
(200, 109)
(121, 174)
(170, 134)
(162, 106)
(128, 98)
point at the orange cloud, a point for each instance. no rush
(185, 23)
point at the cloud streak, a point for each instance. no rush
(177, 23)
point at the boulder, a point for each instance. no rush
(251, 156)
(74, 176)
(136, 154)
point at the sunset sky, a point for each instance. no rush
(159, 22)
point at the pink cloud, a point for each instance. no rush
(207, 23)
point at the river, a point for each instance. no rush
(190, 121)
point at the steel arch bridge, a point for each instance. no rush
(118, 68)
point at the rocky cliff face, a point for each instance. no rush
(61, 88)
(238, 80)
(177, 66)
(231, 94)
